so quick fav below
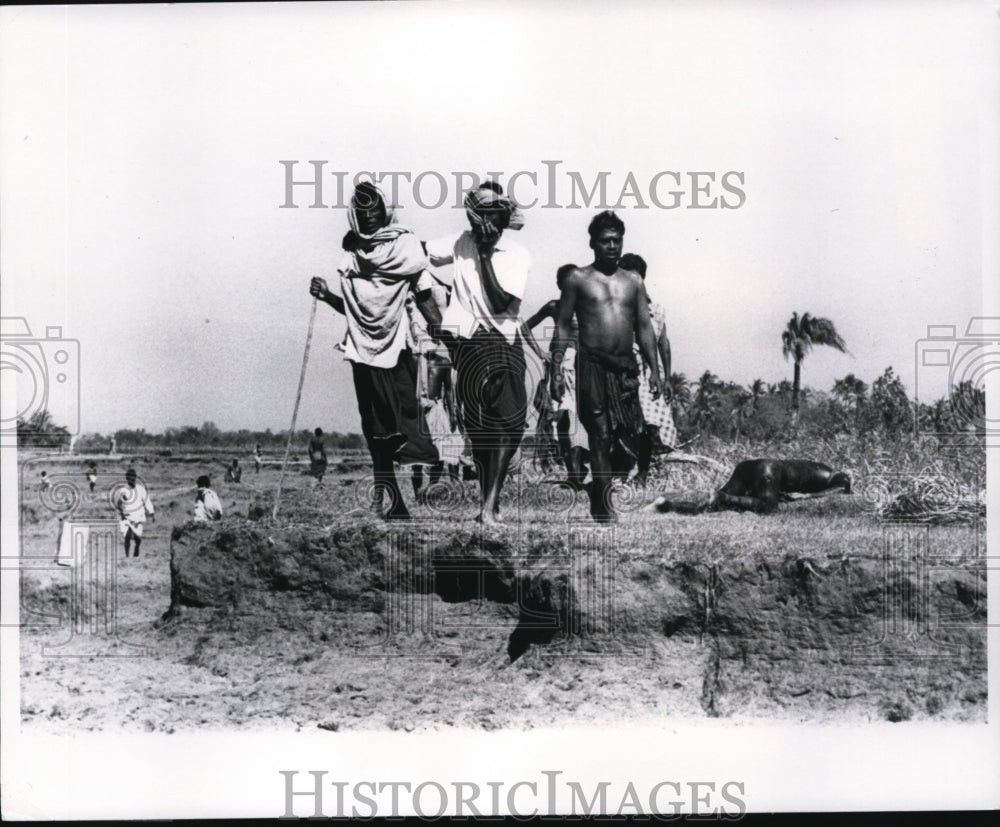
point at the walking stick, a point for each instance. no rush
(295, 412)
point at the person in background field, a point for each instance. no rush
(656, 412)
(112, 445)
(233, 472)
(317, 456)
(207, 506)
(383, 264)
(437, 397)
(258, 459)
(612, 311)
(482, 329)
(92, 475)
(433, 370)
(133, 505)
(570, 434)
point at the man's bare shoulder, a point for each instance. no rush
(575, 277)
(630, 277)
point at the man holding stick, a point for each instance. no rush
(383, 263)
(612, 310)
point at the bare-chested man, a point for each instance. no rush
(612, 311)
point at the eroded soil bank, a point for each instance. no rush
(885, 629)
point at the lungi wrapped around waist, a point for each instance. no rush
(608, 397)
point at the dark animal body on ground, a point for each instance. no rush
(762, 484)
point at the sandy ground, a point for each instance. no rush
(281, 670)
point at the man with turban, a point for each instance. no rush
(383, 262)
(482, 328)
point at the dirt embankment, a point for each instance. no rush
(878, 631)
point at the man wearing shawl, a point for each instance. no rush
(483, 329)
(383, 262)
(611, 308)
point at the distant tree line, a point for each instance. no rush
(711, 406)
(40, 430)
(705, 406)
(209, 436)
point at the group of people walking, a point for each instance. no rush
(471, 329)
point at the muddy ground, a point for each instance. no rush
(328, 618)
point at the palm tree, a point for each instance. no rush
(944, 417)
(851, 391)
(798, 338)
(742, 408)
(705, 395)
(680, 394)
(782, 388)
(968, 405)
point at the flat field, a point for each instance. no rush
(329, 618)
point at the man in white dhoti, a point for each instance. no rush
(133, 505)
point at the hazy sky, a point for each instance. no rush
(141, 188)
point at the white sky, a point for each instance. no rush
(139, 202)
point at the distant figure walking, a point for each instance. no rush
(133, 506)
(234, 473)
(258, 459)
(92, 475)
(317, 456)
(112, 446)
(207, 506)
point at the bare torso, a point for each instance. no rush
(606, 307)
